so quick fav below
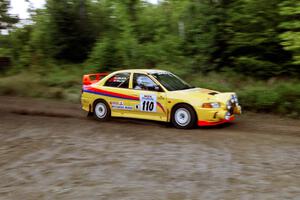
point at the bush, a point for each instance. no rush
(259, 98)
(275, 96)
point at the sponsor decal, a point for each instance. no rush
(114, 103)
(148, 103)
(120, 106)
(117, 79)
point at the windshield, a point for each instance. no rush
(170, 81)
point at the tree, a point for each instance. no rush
(6, 20)
(254, 48)
(254, 37)
(105, 55)
(290, 10)
(206, 39)
(20, 47)
(70, 29)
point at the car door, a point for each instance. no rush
(152, 98)
(117, 94)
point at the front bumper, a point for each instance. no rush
(212, 117)
(208, 123)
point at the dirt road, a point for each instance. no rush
(50, 150)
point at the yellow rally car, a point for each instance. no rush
(155, 95)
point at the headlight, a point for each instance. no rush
(211, 105)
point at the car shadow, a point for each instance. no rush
(121, 120)
(219, 126)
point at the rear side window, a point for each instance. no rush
(120, 80)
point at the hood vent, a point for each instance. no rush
(213, 93)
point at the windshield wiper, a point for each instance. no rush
(187, 87)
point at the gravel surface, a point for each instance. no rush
(51, 150)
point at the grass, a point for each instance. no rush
(58, 83)
(280, 96)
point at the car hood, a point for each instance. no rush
(204, 94)
(202, 91)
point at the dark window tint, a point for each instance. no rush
(170, 81)
(120, 80)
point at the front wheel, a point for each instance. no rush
(102, 111)
(184, 117)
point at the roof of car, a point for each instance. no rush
(150, 71)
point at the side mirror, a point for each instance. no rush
(157, 88)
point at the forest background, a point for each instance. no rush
(251, 47)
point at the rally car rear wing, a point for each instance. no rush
(89, 79)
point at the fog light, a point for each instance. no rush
(227, 116)
(238, 110)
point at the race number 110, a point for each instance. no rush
(148, 103)
(148, 106)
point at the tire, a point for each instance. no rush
(184, 117)
(102, 111)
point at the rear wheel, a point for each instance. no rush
(184, 117)
(102, 111)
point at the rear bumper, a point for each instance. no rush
(207, 123)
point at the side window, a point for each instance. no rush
(144, 82)
(120, 80)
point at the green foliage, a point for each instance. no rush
(64, 82)
(26, 84)
(6, 20)
(290, 10)
(104, 55)
(259, 38)
(274, 96)
(40, 38)
(253, 45)
(70, 29)
(259, 98)
(4, 46)
(204, 33)
(195, 39)
(20, 48)
(280, 98)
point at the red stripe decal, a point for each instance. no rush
(111, 94)
(115, 95)
(161, 107)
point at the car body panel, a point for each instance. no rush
(157, 105)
